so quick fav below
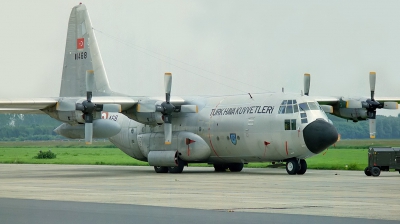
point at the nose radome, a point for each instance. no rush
(319, 134)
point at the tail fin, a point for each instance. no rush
(82, 56)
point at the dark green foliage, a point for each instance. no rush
(386, 127)
(45, 155)
(39, 127)
(34, 127)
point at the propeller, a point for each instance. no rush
(166, 108)
(307, 80)
(88, 107)
(371, 105)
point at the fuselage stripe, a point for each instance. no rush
(287, 153)
(209, 131)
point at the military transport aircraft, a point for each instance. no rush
(171, 132)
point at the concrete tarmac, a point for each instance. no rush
(317, 193)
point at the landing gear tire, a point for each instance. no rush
(161, 169)
(375, 171)
(235, 167)
(367, 171)
(177, 169)
(303, 167)
(220, 167)
(292, 167)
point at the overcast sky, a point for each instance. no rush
(211, 47)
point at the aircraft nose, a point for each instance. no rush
(318, 135)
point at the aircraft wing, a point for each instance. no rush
(26, 105)
(327, 100)
(388, 99)
(36, 105)
(334, 100)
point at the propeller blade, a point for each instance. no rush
(89, 80)
(168, 133)
(307, 80)
(372, 128)
(89, 96)
(372, 81)
(167, 86)
(88, 133)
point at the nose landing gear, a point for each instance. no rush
(295, 166)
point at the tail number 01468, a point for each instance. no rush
(80, 55)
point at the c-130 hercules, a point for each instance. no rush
(171, 132)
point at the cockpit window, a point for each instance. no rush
(313, 106)
(304, 106)
(295, 108)
(282, 109)
(288, 107)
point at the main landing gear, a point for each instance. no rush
(172, 169)
(295, 166)
(233, 167)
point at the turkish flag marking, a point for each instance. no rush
(80, 43)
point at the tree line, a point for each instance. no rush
(21, 127)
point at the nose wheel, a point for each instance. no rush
(295, 166)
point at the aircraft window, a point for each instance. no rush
(290, 124)
(281, 110)
(313, 106)
(295, 108)
(287, 124)
(289, 109)
(304, 106)
(303, 115)
(304, 120)
(293, 124)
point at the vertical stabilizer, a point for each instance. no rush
(82, 56)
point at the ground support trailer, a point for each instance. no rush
(382, 159)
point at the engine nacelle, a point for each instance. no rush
(150, 118)
(355, 114)
(190, 147)
(101, 129)
(163, 158)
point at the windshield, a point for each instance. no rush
(309, 106)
